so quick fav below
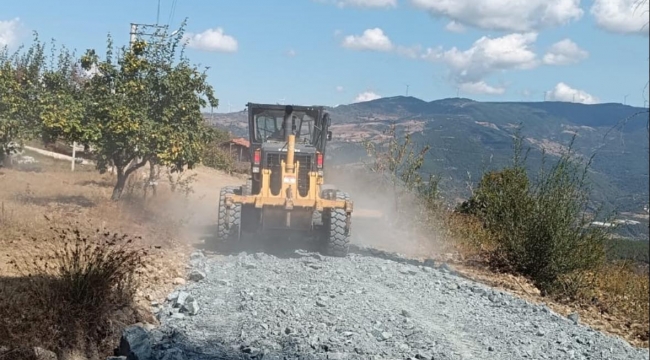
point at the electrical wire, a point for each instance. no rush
(171, 13)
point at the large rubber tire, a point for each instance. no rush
(337, 234)
(247, 189)
(228, 226)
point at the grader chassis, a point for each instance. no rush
(286, 193)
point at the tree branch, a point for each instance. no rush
(136, 166)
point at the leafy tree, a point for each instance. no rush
(20, 80)
(145, 106)
(62, 102)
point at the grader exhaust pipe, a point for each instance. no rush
(289, 128)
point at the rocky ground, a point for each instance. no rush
(298, 304)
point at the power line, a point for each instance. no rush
(172, 12)
(158, 13)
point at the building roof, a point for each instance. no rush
(240, 141)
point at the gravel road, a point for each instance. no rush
(301, 305)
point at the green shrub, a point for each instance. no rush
(541, 228)
(215, 157)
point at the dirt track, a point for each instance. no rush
(284, 301)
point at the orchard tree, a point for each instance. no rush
(145, 106)
(62, 107)
(20, 91)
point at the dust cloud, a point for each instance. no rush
(375, 220)
(195, 212)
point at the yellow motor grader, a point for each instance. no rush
(286, 192)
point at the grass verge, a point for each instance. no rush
(70, 280)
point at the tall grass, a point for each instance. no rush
(76, 296)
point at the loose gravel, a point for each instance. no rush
(307, 306)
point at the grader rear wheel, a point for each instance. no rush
(336, 230)
(229, 221)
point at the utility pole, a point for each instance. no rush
(140, 30)
(407, 89)
(133, 34)
(144, 30)
(625, 99)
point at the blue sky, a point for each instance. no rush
(331, 52)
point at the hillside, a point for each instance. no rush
(469, 137)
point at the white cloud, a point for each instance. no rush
(564, 52)
(456, 27)
(622, 16)
(506, 15)
(291, 53)
(469, 67)
(339, 88)
(371, 39)
(9, 32)
(563, 92)
(367, 96)
(212, 40)
(480, 87)
(412, 52)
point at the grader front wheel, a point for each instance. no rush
(337, 230)
(229, 220)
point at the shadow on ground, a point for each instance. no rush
(176, 344)
(101, 183)
(278, 245)
(77, 200)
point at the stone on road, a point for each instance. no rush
(308, 306)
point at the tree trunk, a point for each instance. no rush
(123, 173)
(153, 176)
(119, 185)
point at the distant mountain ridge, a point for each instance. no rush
(468, 137)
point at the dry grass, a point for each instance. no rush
(621, 291)
(34, 199)
(71, 291)
(616, 300)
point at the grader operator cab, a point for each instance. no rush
(286, 190)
